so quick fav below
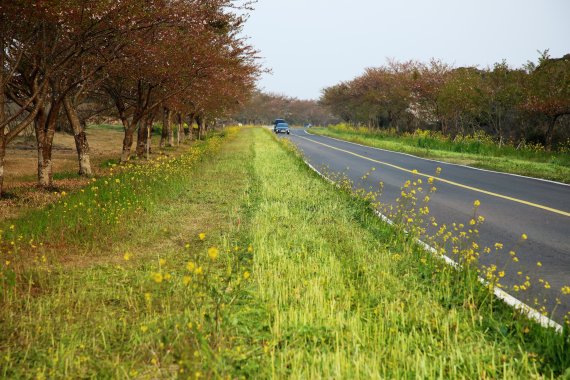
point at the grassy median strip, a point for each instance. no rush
(531, 161)
(251, 266)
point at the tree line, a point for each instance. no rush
(178, 61)
(263, 108)
(527, 104)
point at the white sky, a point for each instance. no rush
(312, 44)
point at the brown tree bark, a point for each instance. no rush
(81, 144)
(2, 117)
(45, 124)
(167, 136)
(549, 134)
(127, 142)
(2, 155)
(201, 120)
(143, 137)
(179, 129)
(188, 128)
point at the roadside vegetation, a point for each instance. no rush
(478, 150)
(236, 260)
(518, 106)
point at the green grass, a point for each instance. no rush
(305, 282)
(483, 153)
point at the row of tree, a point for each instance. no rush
(137, 60)
(531, 103)
(263, 108)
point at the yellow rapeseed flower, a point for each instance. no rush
(157, 277)
(213, 253)
(477, 203)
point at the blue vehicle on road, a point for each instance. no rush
(282, 128)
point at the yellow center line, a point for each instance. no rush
(415, 172)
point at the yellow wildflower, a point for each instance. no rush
(524, 237)
(186, 280)
(477, 203)
(213, 253)
(246, 275)
(202, 236)
(190, 266)
(539, 264)
(157, 277)
(127, 256)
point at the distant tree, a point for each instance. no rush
(548, 92)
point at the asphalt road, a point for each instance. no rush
(512, 206)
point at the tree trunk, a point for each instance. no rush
(45, 131)
(201, 126)
(549, 133)
(127, 142)
(178, 132)
(167, 136)
(148, 138)
(142, 141)
(2, 155)
(3, 138)
(81, 144)
(188, 127)
(143, 137)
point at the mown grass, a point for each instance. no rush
(293, 278)
(135, 290)
(477, 152)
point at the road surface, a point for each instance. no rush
(512, 205)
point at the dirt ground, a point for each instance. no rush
(21, 167)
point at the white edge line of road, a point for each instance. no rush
(441, 162)
(499, 293)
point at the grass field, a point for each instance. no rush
(235, 260)
(531, 161)
(105, 141)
